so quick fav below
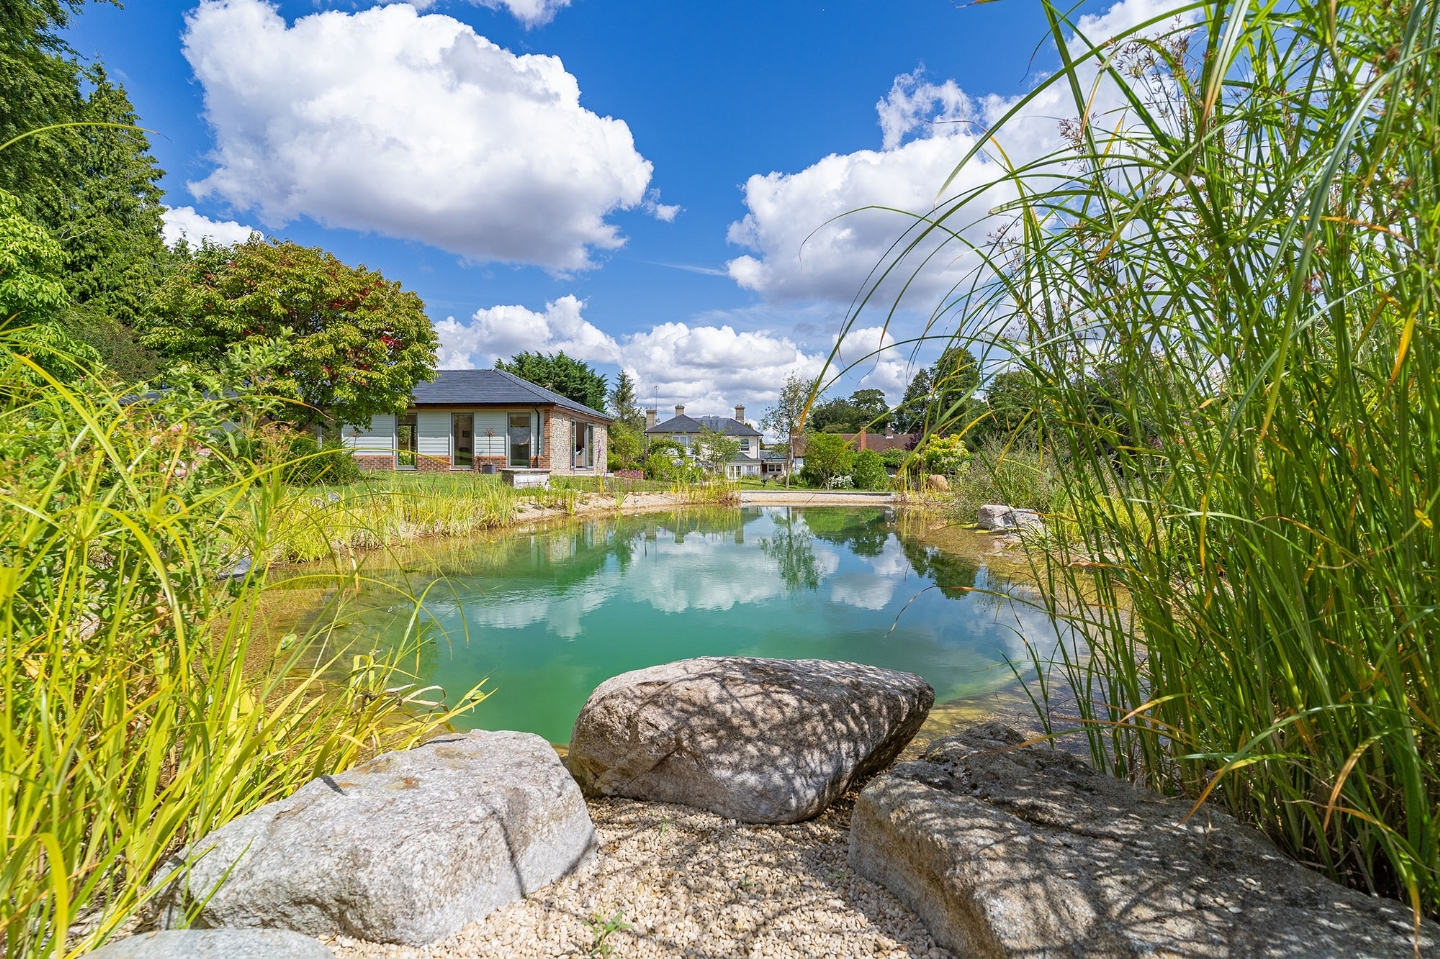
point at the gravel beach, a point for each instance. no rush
(692, 884)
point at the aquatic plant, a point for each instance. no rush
(1223, 286)
(141, 705)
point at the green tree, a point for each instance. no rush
(565, 375)
(715, 449)
(623, 448)
(787, 416)
(827, 457)
(868, 471)
(357, 343)
(939, 399)
(1011, 400)
(33, 297)
(92, 186)
(624, 405)
(863, 409)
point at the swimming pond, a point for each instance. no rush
(547, 615)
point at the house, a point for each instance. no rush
(685, 430)
(484, 420)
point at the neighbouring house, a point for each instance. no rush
(484, 420)
(685, 430)
(879, 442)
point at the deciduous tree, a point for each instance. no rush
(357, 342)
(786, 417)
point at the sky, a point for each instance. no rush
(651, 186)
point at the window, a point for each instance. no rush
(584, 435)
(520, 439)
(407, 442)
(462, 426)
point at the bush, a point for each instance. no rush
(827, 456)
(868, 471)
(945, 455)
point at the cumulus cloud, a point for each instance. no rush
(805, 239)
(708, 367)
(182, 222)
(532, 13)
(411, 126)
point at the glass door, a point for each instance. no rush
(584, 445)
(407, 442)
(520, 439)
(462, 428)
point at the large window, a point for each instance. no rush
(520, 439)
(462, 425)
(407, 441)
(584, 434)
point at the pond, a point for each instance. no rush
(548, 615)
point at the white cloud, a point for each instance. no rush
(183, 222)
(710, 368)
(532, 13)
(411, 126)
(805, 239)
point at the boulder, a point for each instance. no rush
(758, 740)
(406, 848)
(996, 516)
(938, 483)
(1006, 851)
(215, 944)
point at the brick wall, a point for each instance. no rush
(375, 462)
(432, 464)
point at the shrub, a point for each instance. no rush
(946, 455)
(868, 471)
(827, 456)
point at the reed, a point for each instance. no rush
(1224, 286)
(140, 707)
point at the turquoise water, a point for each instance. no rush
(549, 615)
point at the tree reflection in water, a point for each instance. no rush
(792, 548)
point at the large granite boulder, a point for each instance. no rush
(996, 516)
(1028, 852)
(215, 944)
(407, 848)
(759, 740)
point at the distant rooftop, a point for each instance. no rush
(491, 388)
(692, 424)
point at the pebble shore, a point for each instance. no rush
(692, 884)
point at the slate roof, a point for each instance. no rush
(691, 424)
(491, 388)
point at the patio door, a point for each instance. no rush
(462, 428)
(406, 441)
(520, 439)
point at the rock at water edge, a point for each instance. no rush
(758, 740)
(407, 848)
(995, 516)
(215, 944)
(1007, 852)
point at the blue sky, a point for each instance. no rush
(655, 220)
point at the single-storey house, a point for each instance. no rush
(484, 420)
(685, 430)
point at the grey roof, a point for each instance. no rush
(491, 388)
(691, 424)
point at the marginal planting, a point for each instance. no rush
(1224, 288)
(139, 706)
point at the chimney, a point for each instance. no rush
(740, 413)
(679, 410)
(650, 419)
(889, 432)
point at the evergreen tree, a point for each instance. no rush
(565, 375)
(91, 187)
(624, 405)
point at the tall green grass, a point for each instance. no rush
(1225, 286)
(139, 706)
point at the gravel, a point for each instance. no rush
(693, 884)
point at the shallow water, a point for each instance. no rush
(548, 615)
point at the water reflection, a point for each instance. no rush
(548, 615)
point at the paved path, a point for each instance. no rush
(783, 497)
